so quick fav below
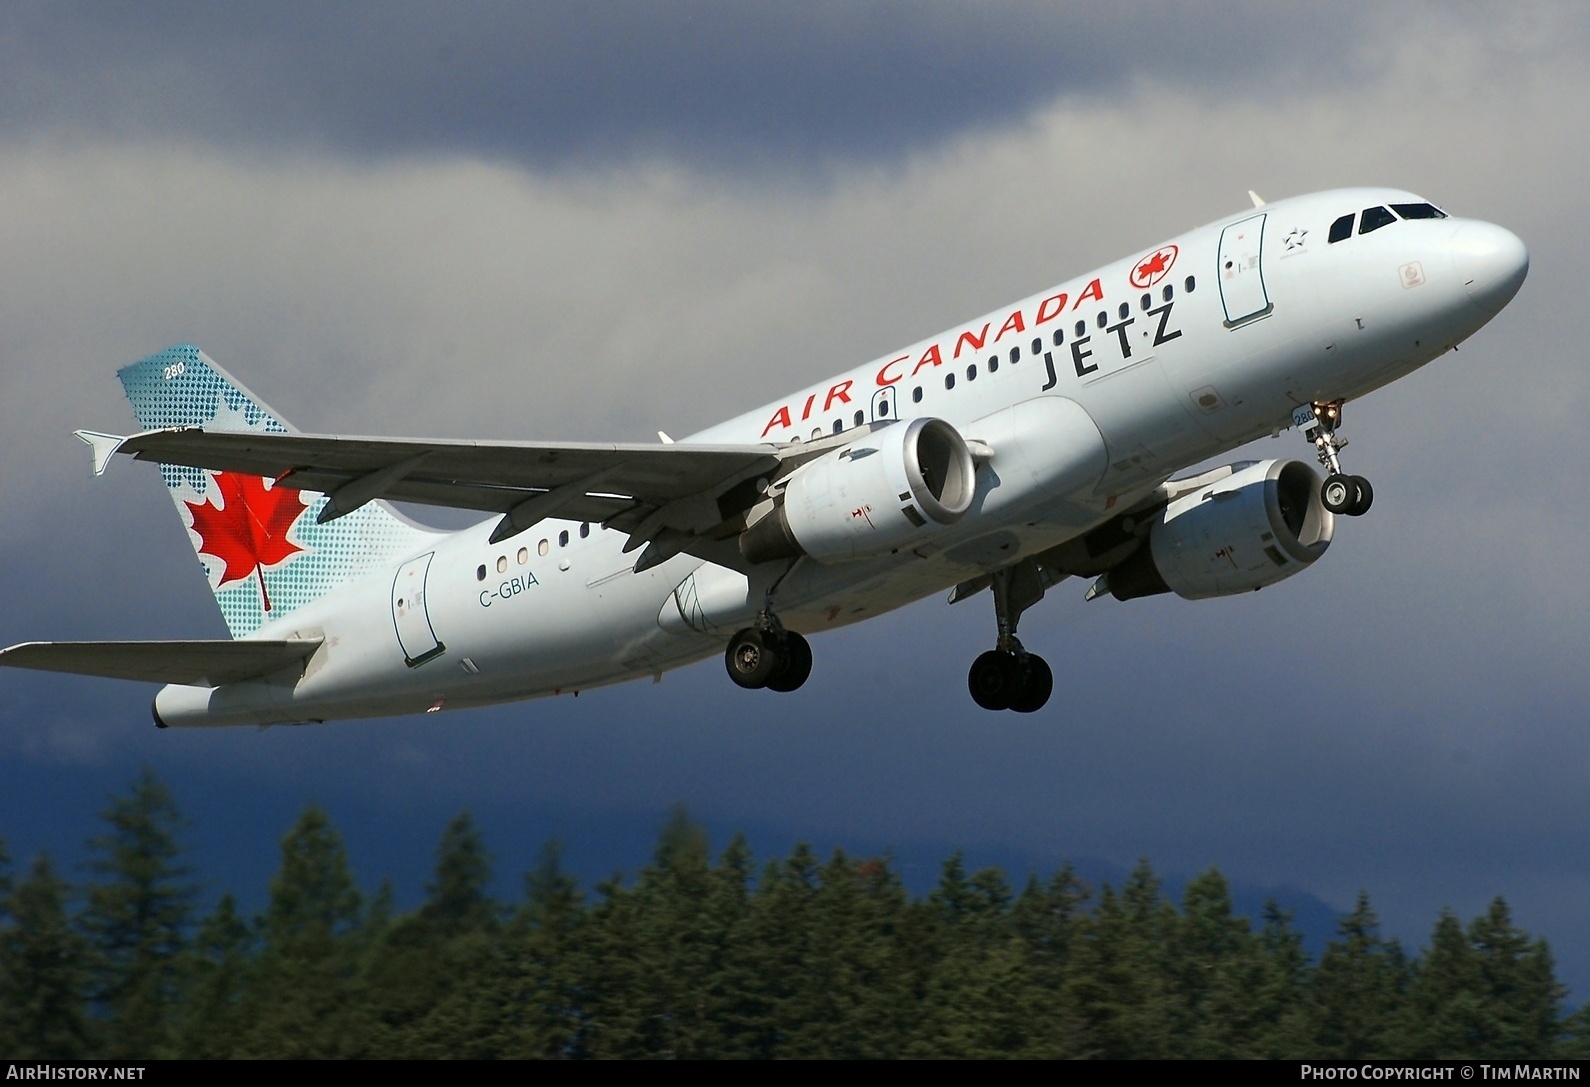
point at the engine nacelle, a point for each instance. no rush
(1259, 525)
(882, 492)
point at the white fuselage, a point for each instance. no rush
(1126, 382)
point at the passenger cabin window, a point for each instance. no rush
(1190, 285)
(1015, 353)
(502, 564)
(993, 364)
(817, 432)
(563, 538)
(1104, 317)
(971, 373)
(1082, 329)
(1374, 219)
(949, 381)
(1341, 230)
(839, 426)
(1418, 211)
(1059, 337)
(1168, 293)
(862, 418)
(1037, 349)
(480, 572)
(524, 555)
(542, 548)
(1146, 301)
(585, 529)
(916, 395)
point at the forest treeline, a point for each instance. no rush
(702, 956)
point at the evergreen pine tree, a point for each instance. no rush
(1575, 1036)
(848, 991)
(456, 899)
(1226, 997)
(537, 999)
(43, 973)
(655, 950)
(1522, 998)
(1355, 996)
(1442, 1018)
(215, 970)
(1117, 988)
(137, 916)
(303, 1000)
(417, 961)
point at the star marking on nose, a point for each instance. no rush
(1295, 239)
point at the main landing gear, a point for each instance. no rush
(1008, 677)
(1341, 493)
(767, 655)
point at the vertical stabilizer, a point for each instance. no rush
(262, 551)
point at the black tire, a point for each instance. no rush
(1339, 493)
(1038, 688)
(1365, 497)
(996, 679)
(797, 656)
(752, 658)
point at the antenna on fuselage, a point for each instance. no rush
(1258, 201)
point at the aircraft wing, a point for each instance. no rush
(192, 663)
(679, 497)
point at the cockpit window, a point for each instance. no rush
(1418, 211)
(1374, 219)
(1342, 229)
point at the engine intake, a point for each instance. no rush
(1257, 526)
(870, 498)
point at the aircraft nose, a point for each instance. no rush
(1491, 261)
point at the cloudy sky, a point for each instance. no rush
(594, 221)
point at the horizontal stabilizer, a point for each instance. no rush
(194, 664)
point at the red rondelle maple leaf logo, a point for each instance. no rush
(1152, 269)
(248, 531)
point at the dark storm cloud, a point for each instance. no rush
(549, 83)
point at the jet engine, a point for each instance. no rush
(1259, 525)
(883, 492)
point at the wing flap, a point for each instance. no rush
(191, 663)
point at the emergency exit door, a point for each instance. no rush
(410, 616)
(883, 405)
(1242, 289)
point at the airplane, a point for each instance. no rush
(1038, 442)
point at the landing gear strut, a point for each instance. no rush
(1008, 677)
(1341, 493)
(768, 655)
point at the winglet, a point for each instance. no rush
(104, 447)
(1258, 201)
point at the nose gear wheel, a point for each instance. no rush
(1341, 493)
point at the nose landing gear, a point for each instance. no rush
(1341, 493)
(1008, 677)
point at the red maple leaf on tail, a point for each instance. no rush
(248, 531)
